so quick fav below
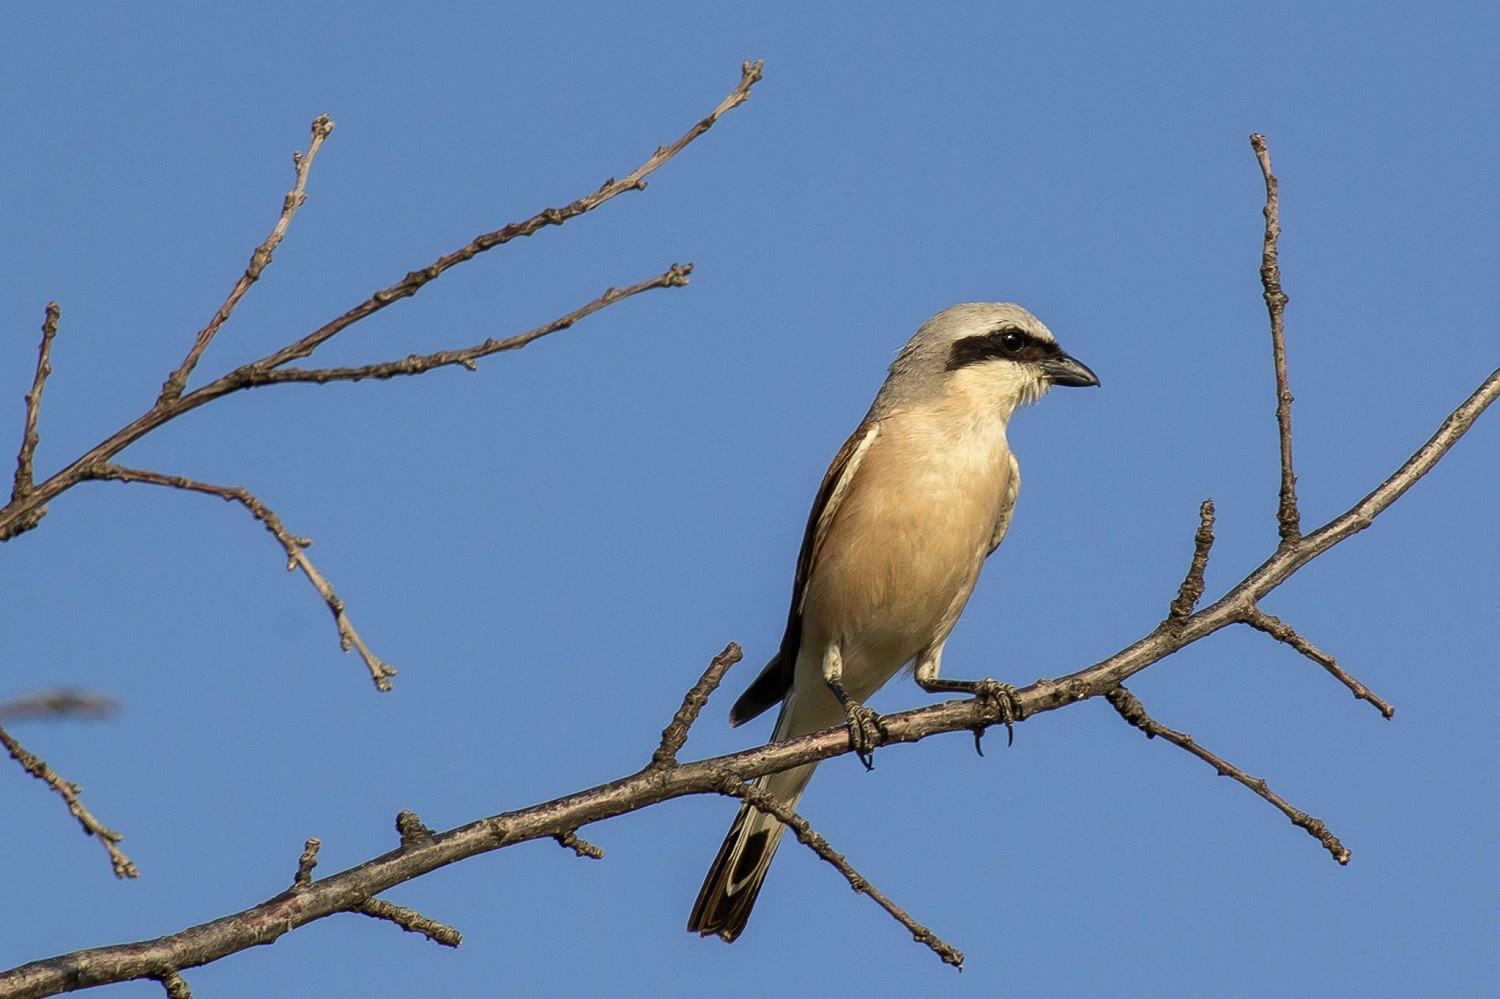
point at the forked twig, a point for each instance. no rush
(322, 126)
(634, 181)
(675, 276)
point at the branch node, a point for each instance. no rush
(411, 921)
(413, 832)
(306, 863)
(175, 985)
(582, 847)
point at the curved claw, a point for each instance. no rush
(1003, 696)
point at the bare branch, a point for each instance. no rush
(341, 892)
(1287, 515)
(411, 921)
(1273, 626)
(416, 280)
(1191, 590)
(1133, 712)
(69, 792)
(675, 276)
(22, 513)
(294, 546)
(810, 838)
(675, 734)
(306, 863)
(29, 436)
(61, 703)
(322, 126)
(579, 845)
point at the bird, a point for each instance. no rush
(913, 503)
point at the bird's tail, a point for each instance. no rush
(734, 880)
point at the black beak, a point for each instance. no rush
(1064, 370)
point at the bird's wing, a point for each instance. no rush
(776, 678)
(1007, 504)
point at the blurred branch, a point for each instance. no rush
(61, 703)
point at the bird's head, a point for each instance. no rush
(993, 353)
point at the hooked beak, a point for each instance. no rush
(1065, 370)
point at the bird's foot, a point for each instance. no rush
(866, 731)
(1003, 697)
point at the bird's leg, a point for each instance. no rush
(864, 724)
(1001, 695)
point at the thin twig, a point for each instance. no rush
(1191, 590)
(294, 545)
(29, 436)
(675, 734)
(411, 921)
(1288, 517)
(58, 704)
(810, 838)
(69, 792)
(1273, 626)
(306, 863)
(1133, 712)
(414, 281)
(675, 276)
(177, 381)
(579, 845)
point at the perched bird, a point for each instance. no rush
(912, 505)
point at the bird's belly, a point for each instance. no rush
(893, 574)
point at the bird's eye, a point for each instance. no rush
(1011, 341)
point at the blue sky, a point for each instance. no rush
(551, 549)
